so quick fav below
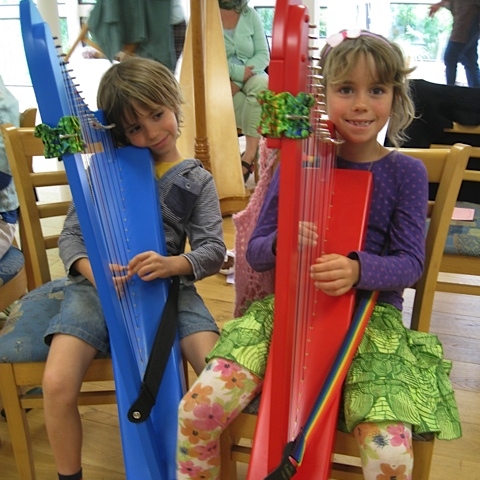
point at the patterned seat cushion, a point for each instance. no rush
(10, 264)
(21, 339)
(464, 236)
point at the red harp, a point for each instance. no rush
(309, 326)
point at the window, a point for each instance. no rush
(421, 37)
(267, 12)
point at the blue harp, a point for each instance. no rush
(115, 193)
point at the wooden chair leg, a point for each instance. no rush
(422, 459)
(228, 469)
(17, 423)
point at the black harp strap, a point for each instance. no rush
(287, 468)
(162, 346)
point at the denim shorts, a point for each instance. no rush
(81, 315)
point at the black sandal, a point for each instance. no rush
(249, 167)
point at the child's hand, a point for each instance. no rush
(335, 274)
(150, 265)
(307, 234)
(119, 277)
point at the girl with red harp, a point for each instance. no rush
(366, 86)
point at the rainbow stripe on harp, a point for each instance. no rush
(338, 372)
(114, 230)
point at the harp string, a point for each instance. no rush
(317, 164)
(105, 180)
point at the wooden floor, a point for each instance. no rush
(456, 320)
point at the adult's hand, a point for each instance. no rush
(435, 8)
(248, 73)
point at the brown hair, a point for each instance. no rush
(139, 81)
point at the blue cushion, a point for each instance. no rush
(464, 236)
(21, 339)
(10, 264)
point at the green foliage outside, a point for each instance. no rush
(266, 15)
(64, 33)
(322, 23)
(421, 37)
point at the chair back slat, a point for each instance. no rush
(21, 146)
(53, 209)
(446, 167)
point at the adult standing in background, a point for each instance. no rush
(134, 27)
(248, 56)
(462, 46)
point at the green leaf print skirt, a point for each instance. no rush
(397, 374)
(400, 374)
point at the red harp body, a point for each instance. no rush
(309, 326)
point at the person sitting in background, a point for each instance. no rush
(9, 113)
(248, 56)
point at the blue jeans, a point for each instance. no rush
(81, 315)
(467, 55)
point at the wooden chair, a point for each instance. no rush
(16, 287)
(445, 166)
(15, 378)
(453, 261)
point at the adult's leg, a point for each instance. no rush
(239, 102)
(247, 115)
(67, 362)
(469, 58)
(451, 59)
(251, 114)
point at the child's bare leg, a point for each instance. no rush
(67, 362)
(196, 347)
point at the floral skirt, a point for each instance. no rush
(400, 374)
